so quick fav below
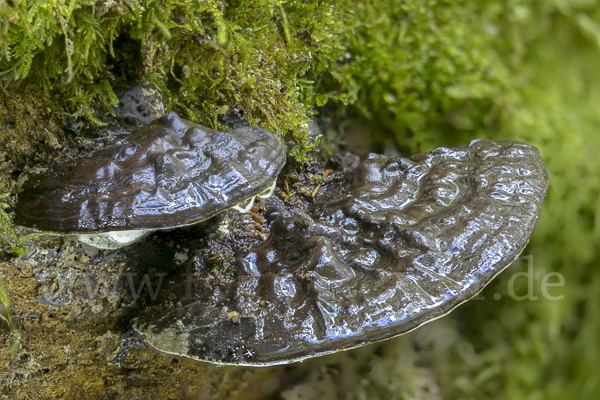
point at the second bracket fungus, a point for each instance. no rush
(385, 248)
(169, 173)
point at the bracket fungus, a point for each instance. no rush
(385, 248)
(167, 174)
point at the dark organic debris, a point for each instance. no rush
(383, 249)
(129, 341)
(170, 173)
(233, 118)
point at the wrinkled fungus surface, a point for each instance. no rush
(170, 173)
(385, 248)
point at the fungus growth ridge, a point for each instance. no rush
(385, 248)
(169, 173)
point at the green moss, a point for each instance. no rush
(222, 264)
(220, 260)
(412, 66)
(256, 55)
(420, 70)
(409, 65)
(16, 335)
(9, 239)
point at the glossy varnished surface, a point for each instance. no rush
(388, 247)
(169, 173)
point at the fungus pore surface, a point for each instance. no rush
(169, 173)
(384, 249)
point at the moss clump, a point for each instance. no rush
(16, 335)
(204, 55)
(222, 264)
(9, 239)
(409, 65)
(420, 70)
